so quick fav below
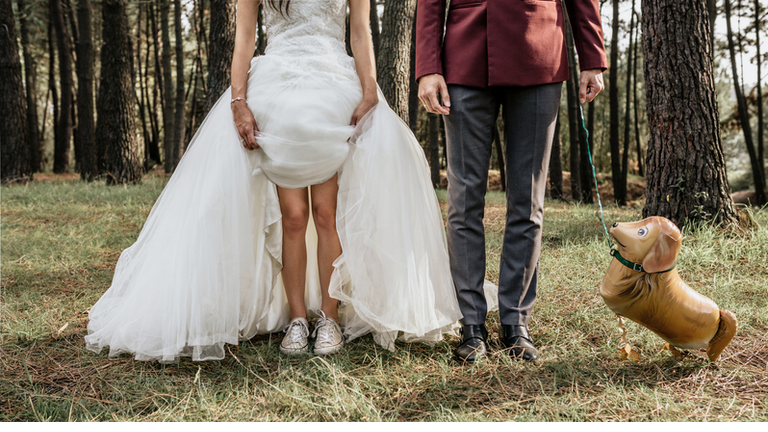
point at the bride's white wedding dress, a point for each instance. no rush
(205, 269)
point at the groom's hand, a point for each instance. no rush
(429, 87)
(591, 84)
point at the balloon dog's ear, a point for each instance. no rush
(663, 253)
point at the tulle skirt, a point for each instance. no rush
(205, 269)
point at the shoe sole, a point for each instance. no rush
(467, 361)
(329, 350)
(301, 351)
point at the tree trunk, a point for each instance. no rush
(262, 42)
(585, 168)
(30, 81)
(434, 148)
(69, 15)
(572, 93)
(394, 56)
(168, 99)
(375, 32)
(628, 105)
(115, 124)
(222, 36)
(14, 133)
(202, 45)
(52, 89)
(141, 98)
(760, 152)
(757, 171)
(686, 179)
(63, 139)
(157, 83)
(712, 9)
(86, 127)
(413, 90)
(193, 111)
(591, 140)
(640, 170)
(613, 83)
(556, 164)
(178, 121)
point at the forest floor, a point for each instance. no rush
(61, 239)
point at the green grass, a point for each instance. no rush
(60, 241)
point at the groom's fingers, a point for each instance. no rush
(445, 96)
(424, 98)
(436, 108)
(429, 87)
(591, 85)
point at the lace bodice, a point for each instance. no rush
(308, 43)
(311, 27)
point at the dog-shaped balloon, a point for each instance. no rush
(642, 284)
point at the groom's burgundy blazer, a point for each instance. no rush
(505, 42)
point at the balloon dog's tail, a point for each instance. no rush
(725, 332)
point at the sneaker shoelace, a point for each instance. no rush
(296, 331)
(324, 329)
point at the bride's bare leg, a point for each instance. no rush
(294, 205)
(328, 245)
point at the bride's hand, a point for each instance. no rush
(366, 105)
(246, 124)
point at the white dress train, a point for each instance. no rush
(205, 269)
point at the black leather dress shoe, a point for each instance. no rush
(472, 344)
(520, 345)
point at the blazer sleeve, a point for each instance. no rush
(587, 33)
(430, 18)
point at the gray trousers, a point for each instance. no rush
(529, 125)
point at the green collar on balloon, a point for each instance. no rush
(632, 265)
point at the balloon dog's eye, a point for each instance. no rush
(642, 232)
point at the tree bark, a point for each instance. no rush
(168, 99)
(375, 32)
(613, 83)
(30, 81)
(760, 151)
(179, 111)
(86, 127)
(157, 84)
(52, 89)
(627, 105)
(686, 179)
(262, 36)
(63, 139)
(143, 101)
(115, 125)
(69, 17)
(556, 164)
(585, 168)
(394, 56)
(14, 133)
(222, 36)
(712, 10)
(413, 90)
(640, 170)
(757, 171)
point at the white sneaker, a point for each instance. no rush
(295, 340)
(328, 334)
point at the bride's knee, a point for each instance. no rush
(295, 219)
(324, 216)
